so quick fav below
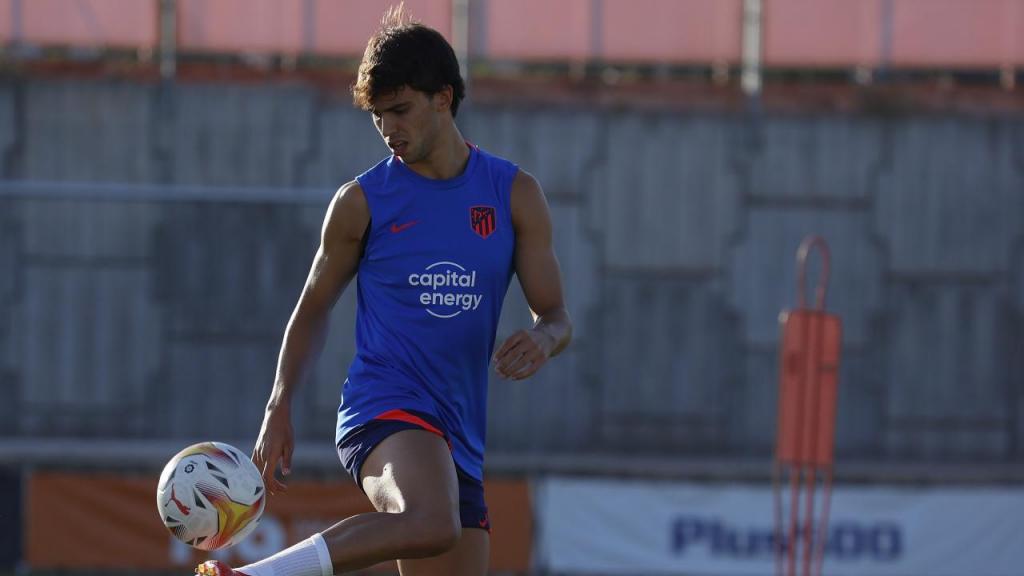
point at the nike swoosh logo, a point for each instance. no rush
(396, 228)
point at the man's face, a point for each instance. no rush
(409, 121)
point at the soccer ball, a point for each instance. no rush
(210, 496)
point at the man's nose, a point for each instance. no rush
(386, 126)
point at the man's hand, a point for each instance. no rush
(541, 280)
(523, 353)
(275, 444)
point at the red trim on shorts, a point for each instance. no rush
(403, 416)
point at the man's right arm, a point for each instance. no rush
(334, 266)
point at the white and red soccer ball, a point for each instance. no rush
(210, 496)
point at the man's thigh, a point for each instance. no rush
(411, 471)
(468, 558)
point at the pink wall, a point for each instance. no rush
(280, 26)
(678, 31)
(240, 25)
(344, 26)
(797, 33)
(968, 33)
(822, 33)
(538, 30)
(84, 22)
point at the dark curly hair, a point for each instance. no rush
(404, 52)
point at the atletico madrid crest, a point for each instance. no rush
(483, 221)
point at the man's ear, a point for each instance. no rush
(443, 98)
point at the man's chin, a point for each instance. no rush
(407, 158)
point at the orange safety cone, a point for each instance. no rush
(805, 440)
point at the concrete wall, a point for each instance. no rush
(153, 241)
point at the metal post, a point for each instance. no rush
(16, 38)
(309, 26)
(597, 31)
(1007, 70)
(460, 36)
(750, 79)
(168, 39)
(887, 31)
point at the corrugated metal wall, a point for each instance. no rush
(154, 307)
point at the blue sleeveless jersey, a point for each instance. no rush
(430, 286)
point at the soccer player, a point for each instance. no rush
(435, 233)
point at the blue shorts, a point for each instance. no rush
(357, 445)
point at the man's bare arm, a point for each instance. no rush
(540, 277)
(334, 266)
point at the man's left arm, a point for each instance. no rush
(525, 351)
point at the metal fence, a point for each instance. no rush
(148, 266)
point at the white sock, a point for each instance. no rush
(307, 558)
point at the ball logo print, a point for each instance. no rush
(446, 296)
(210, 496)
(181, 507)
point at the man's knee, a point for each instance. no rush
(411, 473)
(431, 533)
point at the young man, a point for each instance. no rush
(435, 232)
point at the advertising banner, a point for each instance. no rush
(618, 527)
(10, 518)
(97, 521)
